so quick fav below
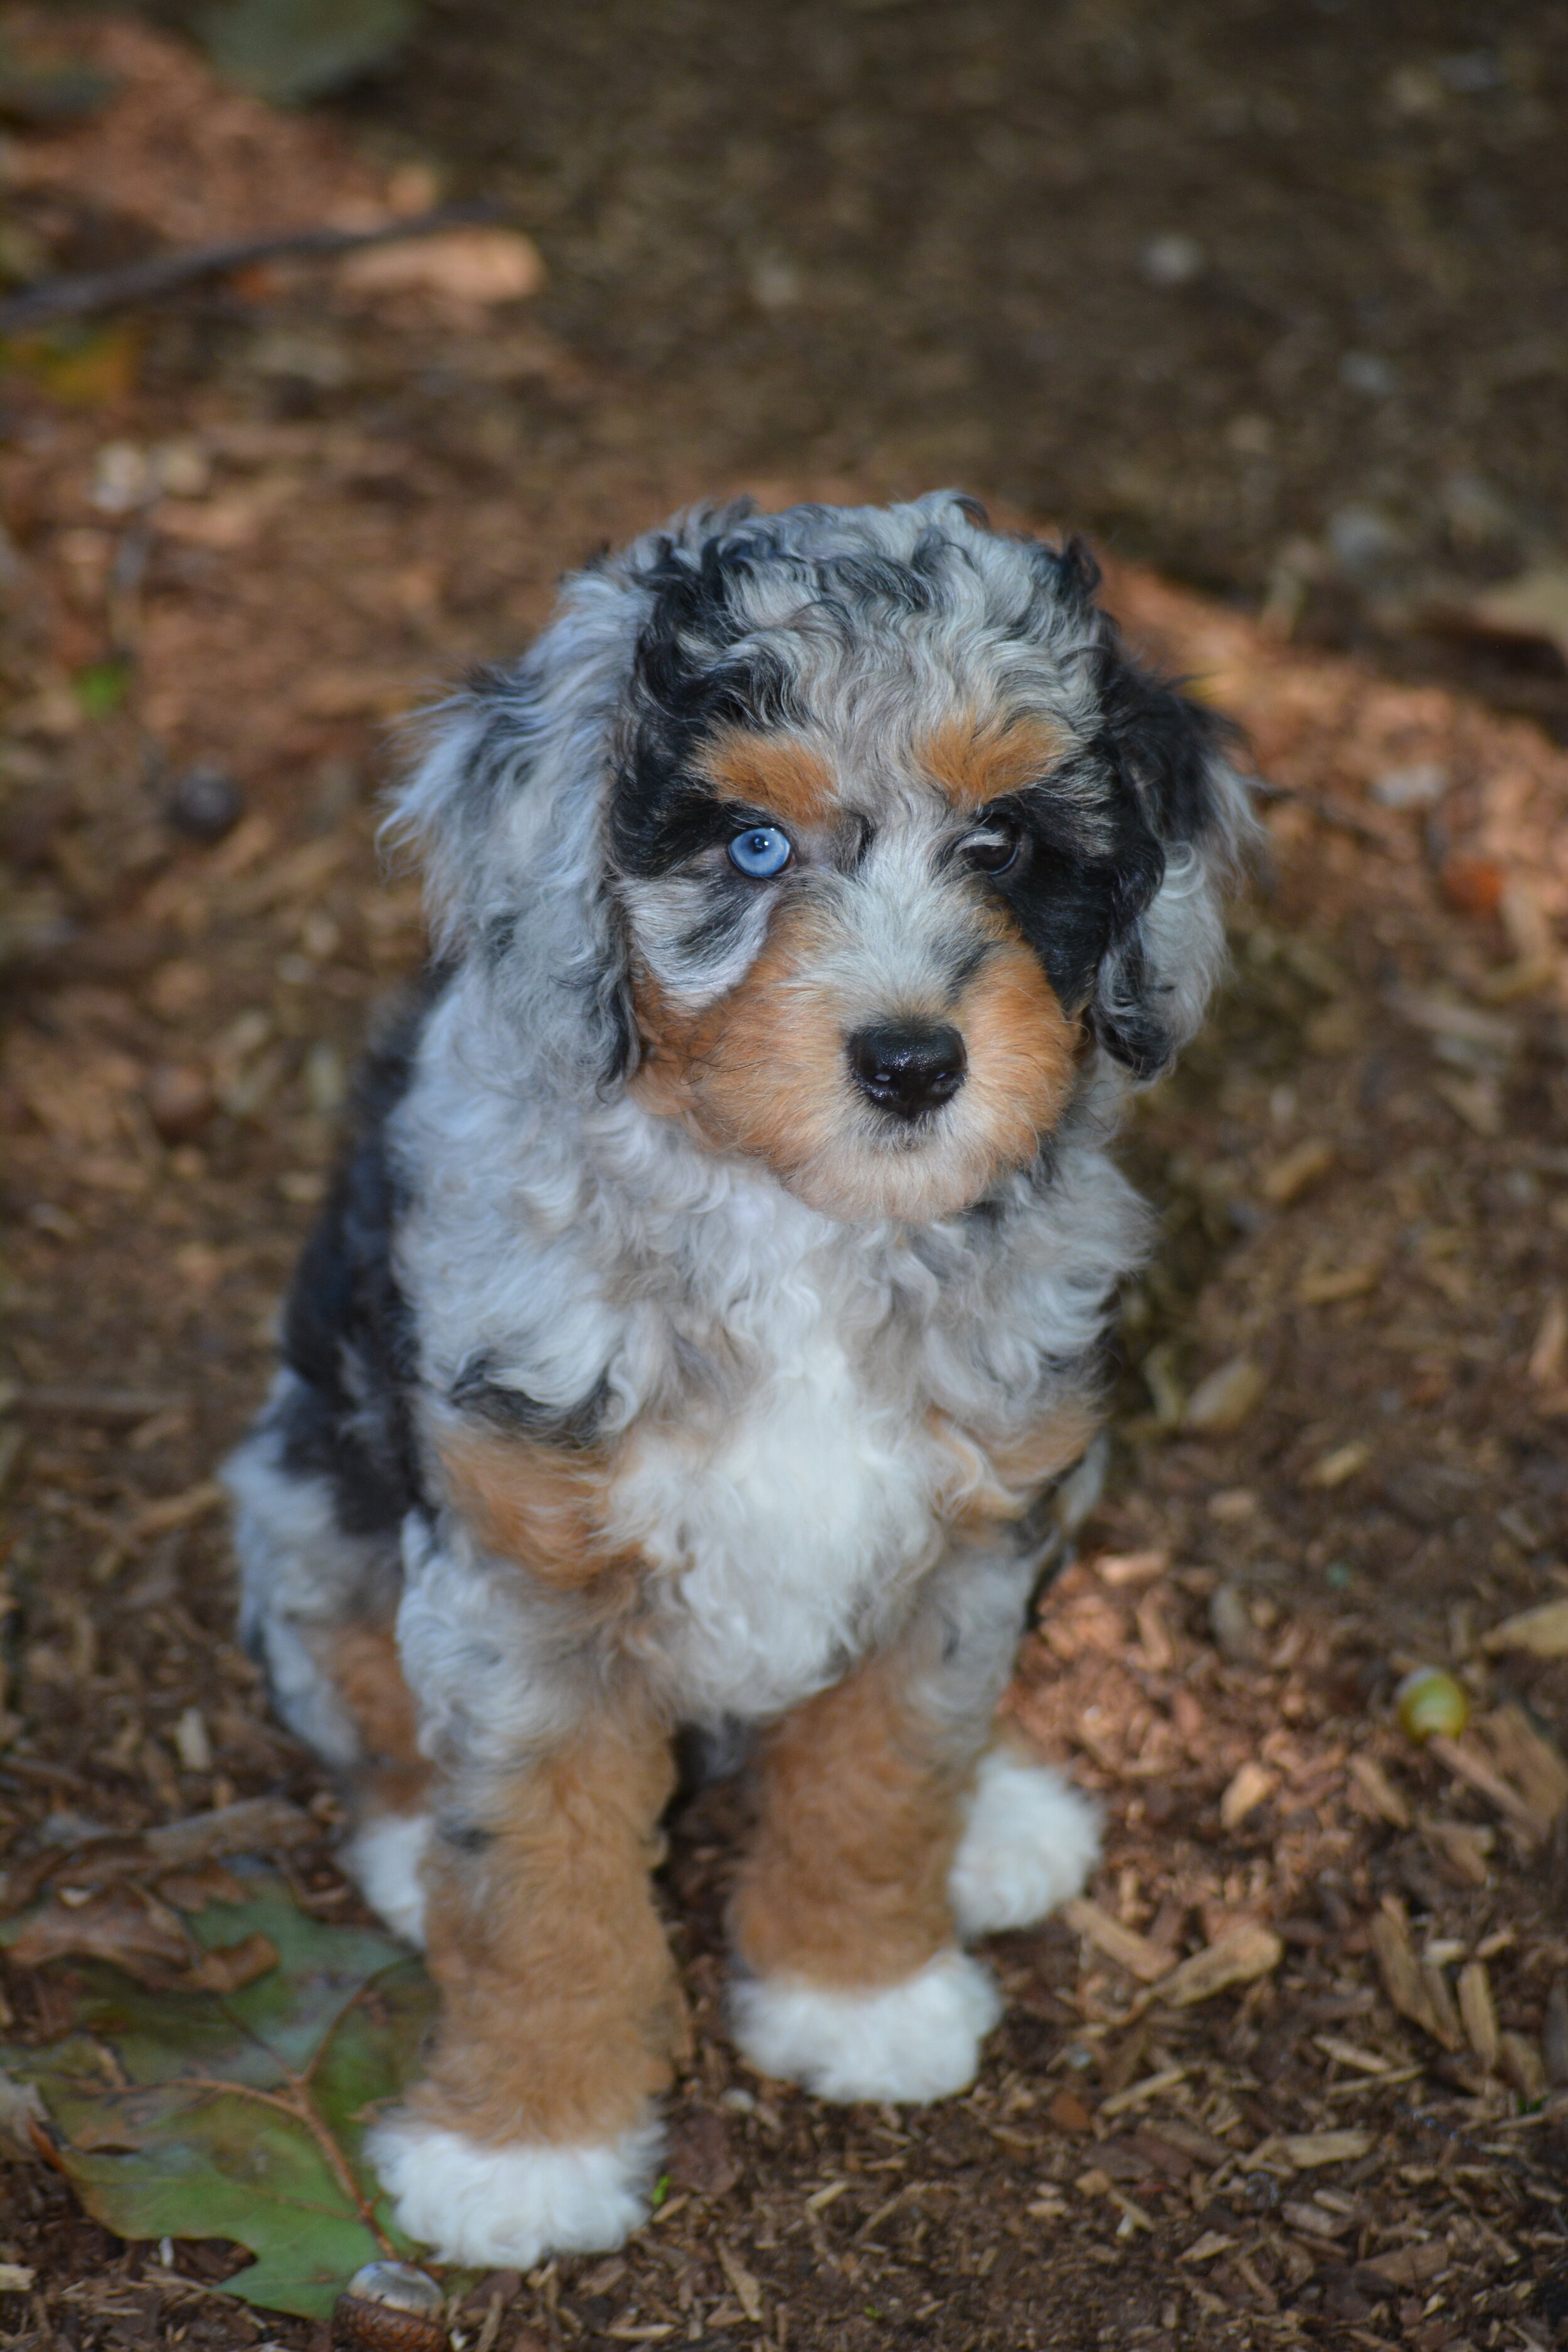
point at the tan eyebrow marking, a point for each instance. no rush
(976, 760)
(776, 773)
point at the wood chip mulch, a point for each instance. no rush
(1295, 2068)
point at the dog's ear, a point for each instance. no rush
(505, 809)
(1172, 758)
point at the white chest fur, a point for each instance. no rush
(780, 1540)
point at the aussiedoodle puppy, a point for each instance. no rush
(708, 1305)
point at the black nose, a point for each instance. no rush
(906, 1068)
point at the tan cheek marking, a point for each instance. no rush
(776, 773)
(845, 1880)
(562, 2010)
(993, 1481)
(760, 1071)
(537, 1505)
(978, 760)
(1023, 1050)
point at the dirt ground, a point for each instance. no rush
(245, 532)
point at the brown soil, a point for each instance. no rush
(1364, 1176)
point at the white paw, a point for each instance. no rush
(511, 2206)
(1029, 1843)
(916, 2041)
(384, 1857)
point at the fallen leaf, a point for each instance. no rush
(1543, 1631)
(231, 1967)
(139, 1935)
(290, 50)
(240, 2115)
(15, 2278)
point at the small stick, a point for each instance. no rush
(162, 273)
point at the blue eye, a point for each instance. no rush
(762, 853)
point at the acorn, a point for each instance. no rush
(1428, 1702)
(390, 2307)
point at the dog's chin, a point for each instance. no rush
(904, 1178)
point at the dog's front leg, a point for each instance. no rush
(891, 1823)
(535, 2131)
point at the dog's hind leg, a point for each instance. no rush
(318, 1612)
(884, 1835)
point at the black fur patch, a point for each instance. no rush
(1073, 902)
(476, 1392)
(1163, 742)
(347, 1332)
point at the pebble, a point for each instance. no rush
(205, 805)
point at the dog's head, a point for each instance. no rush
(849, 837)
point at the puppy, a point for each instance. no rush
(709, 1301)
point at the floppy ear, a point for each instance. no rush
(506, 812)
(1171, 755)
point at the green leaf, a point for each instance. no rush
(101, 687)
(242, 2115)
(289, 50)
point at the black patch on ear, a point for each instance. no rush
(1165, 742)
(348, 1330)
(1130, 1026)
(688, 683)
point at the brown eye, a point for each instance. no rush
(993, 850)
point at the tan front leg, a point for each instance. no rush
(559, 1990)
(534, 2128)
(845, 1883)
